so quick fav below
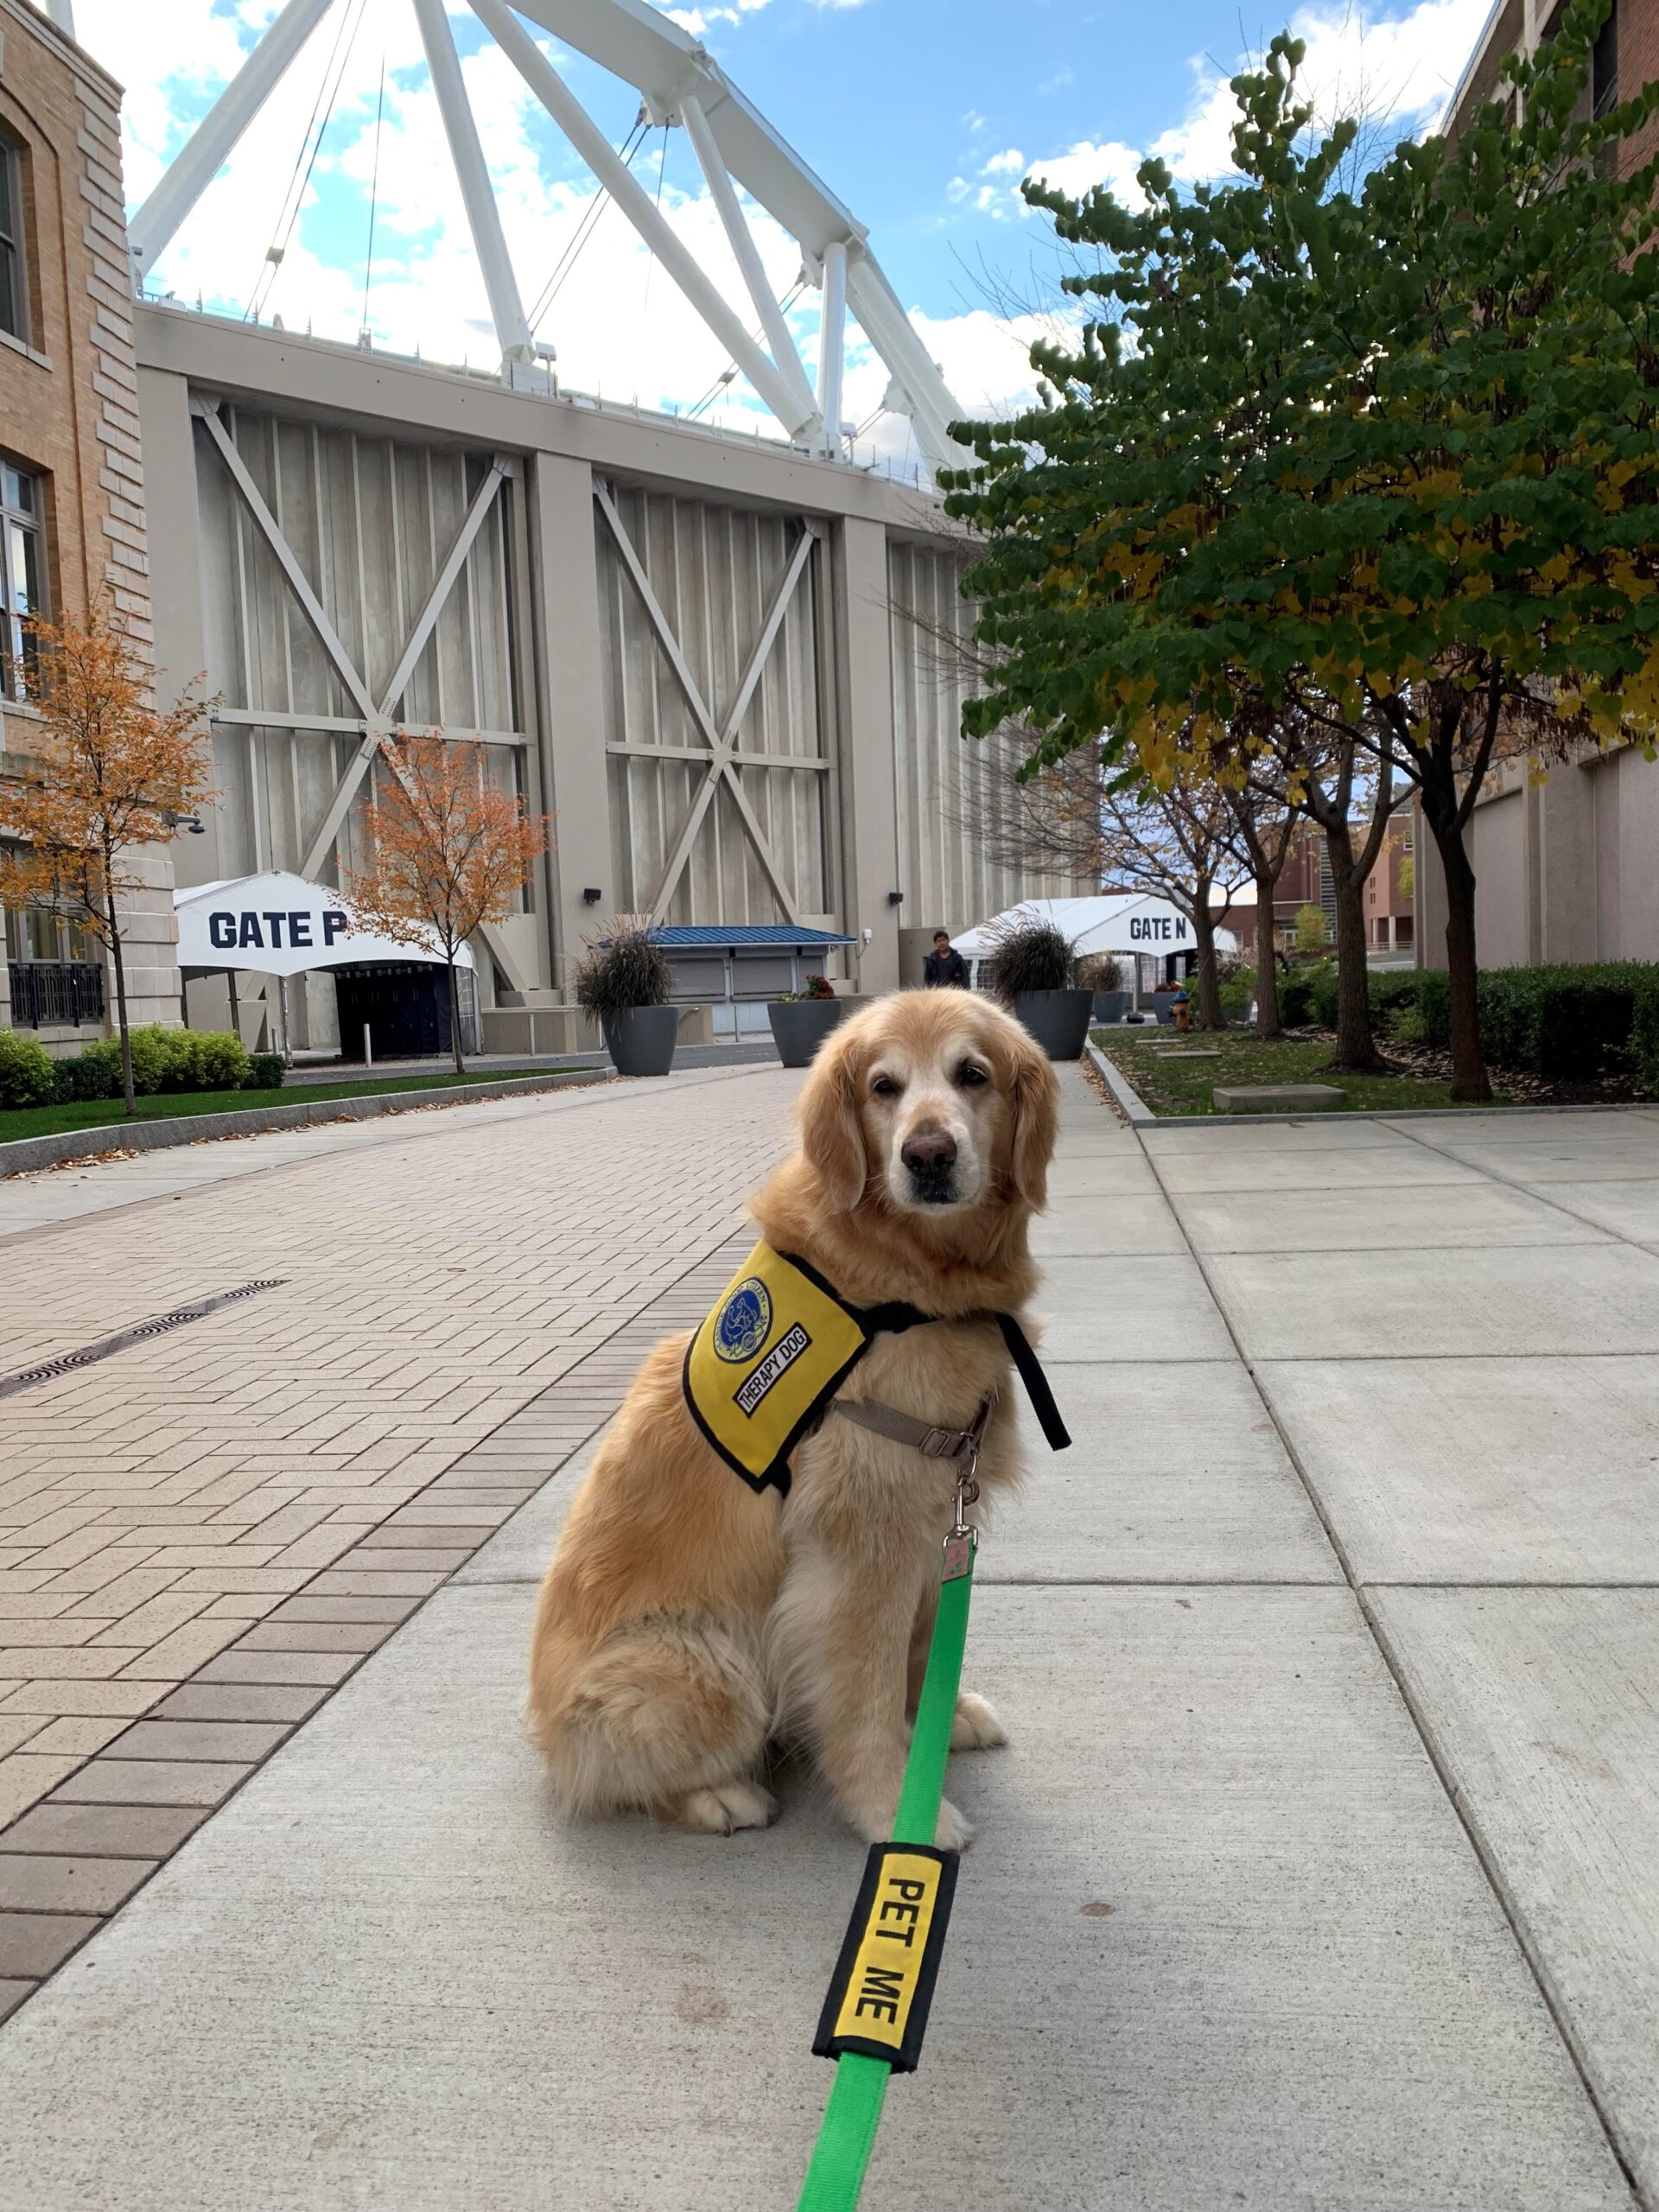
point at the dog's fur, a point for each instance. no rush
(686, 1621)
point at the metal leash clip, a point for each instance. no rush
(963, 1537)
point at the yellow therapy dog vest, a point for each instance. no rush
(777, 1345)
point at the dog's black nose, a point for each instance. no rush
(929, 1152)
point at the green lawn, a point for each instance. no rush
(101, 1113)
(1184, 1086)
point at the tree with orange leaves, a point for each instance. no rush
(448, 852)
(108, 772)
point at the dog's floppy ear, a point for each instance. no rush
(1036, 1101)
(832, 1137)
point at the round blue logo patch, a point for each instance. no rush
(745, 1321)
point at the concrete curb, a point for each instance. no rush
(24, 1153)
(1142, 1117)
(1132, 1102)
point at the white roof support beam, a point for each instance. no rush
(795, 411)
(889, 329)
(471, 172)
(199, 160)
(735, 146)
(740, 238)
(832, 342)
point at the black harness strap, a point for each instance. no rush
(893, 1320)
(1055, 1433)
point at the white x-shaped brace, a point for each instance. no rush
(381, 723)
(721, 739)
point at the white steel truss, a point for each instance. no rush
(724, 761)
(377, 722)
(679, 82)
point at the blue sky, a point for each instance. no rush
(922, 115)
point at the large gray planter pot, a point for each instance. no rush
(800, 1026)
(1163, 1005)
(641, 1041)
(1111, 1006)
(1058, 1020)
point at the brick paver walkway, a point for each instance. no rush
(256, 1499)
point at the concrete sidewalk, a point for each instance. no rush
(1339, 1530)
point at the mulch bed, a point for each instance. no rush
(1514, 1085)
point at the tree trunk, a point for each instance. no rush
(1356, 1043)
(121, 1011)
(1471, 1085)
(455, 1019)
(1266, 960)
(1204, 929)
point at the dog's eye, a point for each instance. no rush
(971, 1078)
(885, 1087)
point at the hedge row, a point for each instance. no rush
(1569, 1024)
(163, 1060)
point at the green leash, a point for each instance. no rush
(846, 2135)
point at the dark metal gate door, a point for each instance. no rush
(404, 1004)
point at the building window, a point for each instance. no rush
(22, 574)
(1604, 66)
(14, 268)
(42, 933)
(54, 969)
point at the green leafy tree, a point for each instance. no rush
(1313, 930)
(1382, 460)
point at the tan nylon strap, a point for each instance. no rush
(905, 1428)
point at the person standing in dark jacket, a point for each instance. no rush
(944, 968)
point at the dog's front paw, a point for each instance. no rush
(725, 1809)
(954, 1831)
(975, 1727)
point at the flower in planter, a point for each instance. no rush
(817, 987)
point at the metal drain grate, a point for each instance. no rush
(68, 1362)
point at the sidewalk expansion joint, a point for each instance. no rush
(1485, 1856)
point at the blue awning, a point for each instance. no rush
(746, 937)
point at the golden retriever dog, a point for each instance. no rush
(687, 1621)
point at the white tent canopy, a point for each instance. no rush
(280, 924)
(1110, 921)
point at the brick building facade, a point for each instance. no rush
(1390, 903)
(71, 485)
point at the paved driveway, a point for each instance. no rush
(1321, 1872)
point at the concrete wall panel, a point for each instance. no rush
(957, 807)
(716, 571)
(1498, 847)
(371, 521)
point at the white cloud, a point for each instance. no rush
(620, 325)
(1400, 72)
(1393, 73)
(1085, 165)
